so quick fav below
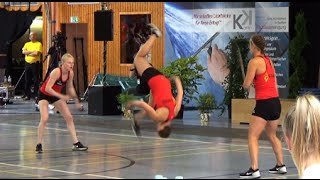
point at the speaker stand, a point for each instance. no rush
(104, 58)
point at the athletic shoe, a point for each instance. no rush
(37, 107)
(135, 127)
(26, 98)
(79, 147)
(39, 148)
(278, 169)
(51, 107)
(155, 30)
(250, 174)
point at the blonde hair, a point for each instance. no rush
(66, 56)
(302, 126)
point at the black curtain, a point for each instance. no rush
(14, 25)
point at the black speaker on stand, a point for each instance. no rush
(103, 25)
(102, 100)
(103, 30)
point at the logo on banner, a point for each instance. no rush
(243, 20)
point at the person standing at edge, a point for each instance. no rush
(32, 51)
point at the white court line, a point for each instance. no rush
(56, 170)
(123, 135)
(243, 145)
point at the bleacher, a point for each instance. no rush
(113, 80)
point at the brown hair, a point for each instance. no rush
(165, 132)
(258, 41)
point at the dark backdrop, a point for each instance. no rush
(312, 15)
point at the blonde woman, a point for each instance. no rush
(301, 128)
(50, 92)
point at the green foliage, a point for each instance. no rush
(190, 73)
(296, 59)
(125, 97)
(233, 82)
(206, 103)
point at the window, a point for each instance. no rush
(133, 33)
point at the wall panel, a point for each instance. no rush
(85, 13)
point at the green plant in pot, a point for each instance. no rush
(190, 73)
(123, 98)
(233, 82)
(206, 104)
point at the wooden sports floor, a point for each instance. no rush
(217, 150)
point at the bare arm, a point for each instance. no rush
(143, 113)
(70, 88)
(179, 96)
(132, 72)
(30, 53)
(54, 76)
(72, 92)
(34, 53)
(251, 72)
(149, 110)
(26, 52)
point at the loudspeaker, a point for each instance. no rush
(102, 100)
(103, 25)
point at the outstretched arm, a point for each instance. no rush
(143, 113)
(149, 110)
(179, 94)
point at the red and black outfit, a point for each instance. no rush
(160, 87)
(58, 85)
(268, 104)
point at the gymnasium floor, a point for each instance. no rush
(216, 151)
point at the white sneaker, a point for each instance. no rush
(250, 174)
(36, 106)
(278, 169)
(155, 30)
(51, 107)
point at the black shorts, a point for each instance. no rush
(146, 76)
(268, 109)
(50, 99)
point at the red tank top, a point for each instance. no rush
(265, 82)
(57, 86)
(160, 87)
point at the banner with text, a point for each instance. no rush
(189, 26)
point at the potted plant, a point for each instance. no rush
(296, 60)
(123, 98)
(190, 73)
(238, 46)
(206, 104)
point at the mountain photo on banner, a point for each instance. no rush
(189, 28)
